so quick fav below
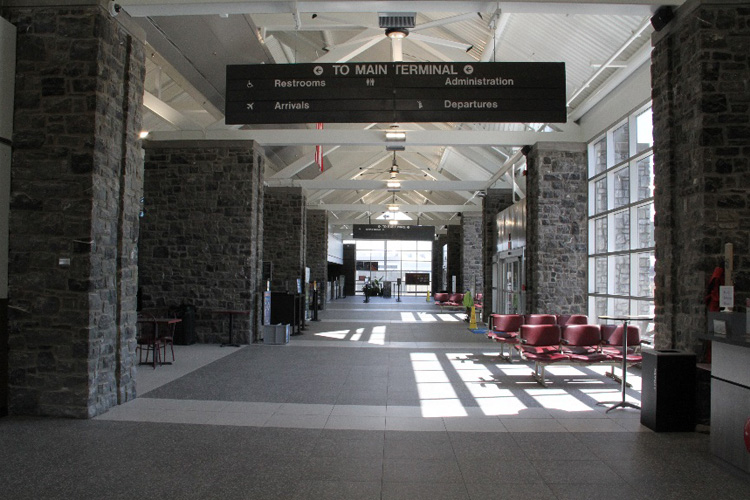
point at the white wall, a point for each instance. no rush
(7, 83)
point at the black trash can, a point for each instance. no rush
(184, 332)
(668, 390)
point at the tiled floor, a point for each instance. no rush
(383, 400)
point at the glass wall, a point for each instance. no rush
(390, 260)
(621, 220)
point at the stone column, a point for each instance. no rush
(285, 236)
(700, 69)
(472, 268)
(453, 265)
(201, 237)
(76, 182)
(317, 250)
(495, 201)
(556, 234)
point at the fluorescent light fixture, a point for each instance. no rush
(393, 208)
(393, 222)
(395, 135)
(143, 134)
(393, 184)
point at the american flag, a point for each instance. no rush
(319, 150)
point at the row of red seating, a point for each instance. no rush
(563, 339)
(445, 299)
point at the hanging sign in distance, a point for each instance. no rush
(395, 92)
(388, 232)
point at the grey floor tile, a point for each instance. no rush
(424, 491)
(493, 470)
(341, 468)
(425, 471)
(579, 472)
(509, 490)
(420, 446)
(338, 490)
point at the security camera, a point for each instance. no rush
(114, 8)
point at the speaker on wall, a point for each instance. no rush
(661, 17)
(525, 150)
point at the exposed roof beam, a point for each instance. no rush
(377, 185)
(432, 221)
(377, 137)
(404, 208)
(168, 113)
(143, 8)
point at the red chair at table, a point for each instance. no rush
(147, 340)
(612, 346)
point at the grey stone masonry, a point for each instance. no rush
(317, 248)
(285, 236)
(453, 265)
(556, 234)
(495, 201)
(76, 180)
(700, 69)
(201, 234)
(472, 268)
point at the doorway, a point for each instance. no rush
(510, 280)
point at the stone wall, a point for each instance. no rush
(201, 236)
(317, 248)
(454, 240)
(556, 229)
(700, 69)
(495, 201)
(76, 182)
(285, 236)
(472, 268)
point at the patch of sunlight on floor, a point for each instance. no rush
(378, 335)
(434, 408)
(486, 390)
(515, 371)
(357, 334)
(336, 334)
(408, 317)
(451, 318)
(502, 405)
(564, 371)
(431, 376)
(427, 317)
(558, 399)
(439, 390)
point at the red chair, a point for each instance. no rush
(504, 328)
(541, 344)
(571, 319)
(582, 343)
(540, 319)
(146, 339)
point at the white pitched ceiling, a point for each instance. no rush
(192, 41)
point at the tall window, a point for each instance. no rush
(621, 220)
(391, 260)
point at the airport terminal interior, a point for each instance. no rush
(374, 250)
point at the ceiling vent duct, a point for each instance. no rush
(397, 19)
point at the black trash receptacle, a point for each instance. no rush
(184, 332)
(668, 390)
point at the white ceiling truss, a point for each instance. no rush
(444, 166)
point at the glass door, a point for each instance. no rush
(511, 280)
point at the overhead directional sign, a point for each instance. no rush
(396, 92)
(388, 232)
